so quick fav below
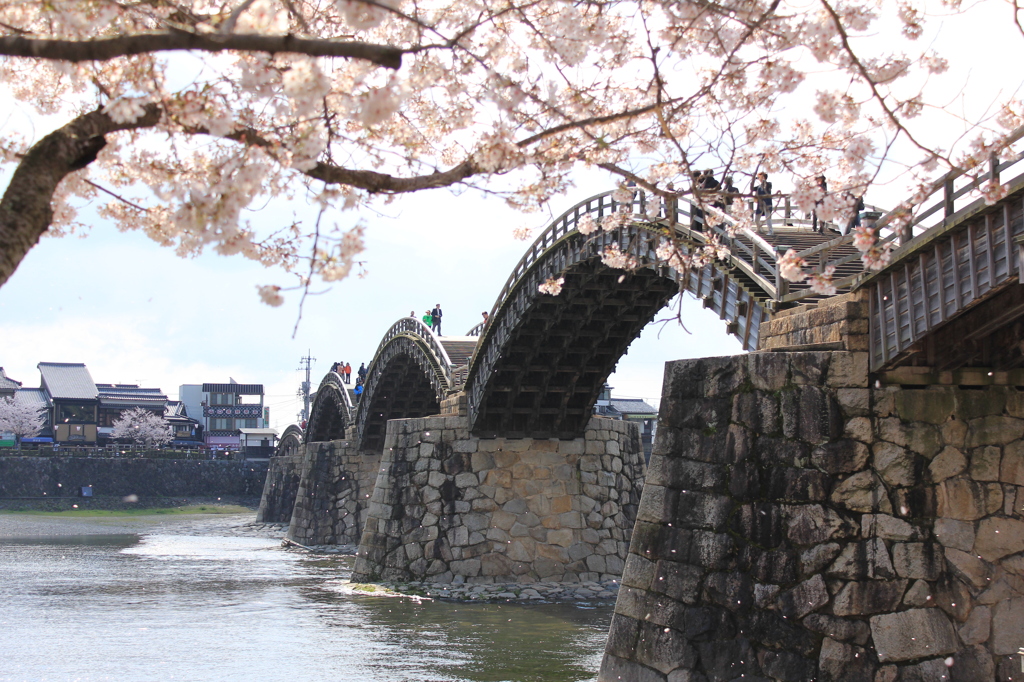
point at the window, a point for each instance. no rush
(71, 412)
(221, 399)
(221, 424)
(250, 423)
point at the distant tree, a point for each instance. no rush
(142, 427)
(24, 421)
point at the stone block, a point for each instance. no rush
(804, 598)
(862, 492)
(768, 371)
(840, 629)
(917, 560)
(728, 660)
(919, 594)
(915, 633)
(925, 671)
(957, 534)
(866, 559)
(887, 527)
(839, 661)
(815, 558)
(664, 649)
(894, 464)
(699, 510)
(978, 626)
(974, 663)
(616, 668)
(968, 567)
(868, 597)
(848, 370)
(859, 428)
(679, 581)
(931, 405)
(998, 537)
(968, 500)
(948, 463)
(840, 456)
(787, 666)
(813, 524)
(985, 463)
(1012, 468)
(1008, 626)
(993, 430)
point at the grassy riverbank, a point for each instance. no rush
(117, 506)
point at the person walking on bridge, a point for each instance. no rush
(762, 191)
(362, 373)
(348, 373)
(815, 225)
(435, 319)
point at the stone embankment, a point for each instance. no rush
(61, 477)
(801, 523)
(512, 592)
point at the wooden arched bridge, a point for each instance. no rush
(536, 368)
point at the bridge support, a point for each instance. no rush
(449, 507)
(800, 521)
(278, 500)
(333, 493)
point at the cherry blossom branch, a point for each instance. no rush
(25, 211)
(146, 43)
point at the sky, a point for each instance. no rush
(134, 312)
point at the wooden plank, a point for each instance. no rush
(910, 301)
(1007, 240)
(938, 281)
(957, 299)
(923, 275)
(884, 335)
(895, 309)
(990, 252)
(972, 266)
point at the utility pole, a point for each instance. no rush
(305, 363)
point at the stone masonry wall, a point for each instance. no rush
(333, 494)
(120, 476)
(799, 523)
(278, 500)
(449, 507)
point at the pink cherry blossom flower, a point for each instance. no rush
(552, 286)
(791, 266)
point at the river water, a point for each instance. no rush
(164, 605)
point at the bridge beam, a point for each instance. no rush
(449, 505)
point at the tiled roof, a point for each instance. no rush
(67, 380)
(31, 396)
(7, 382)
(633, 406)
(123, 395)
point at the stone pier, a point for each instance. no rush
(448, 507)
(799, 522)
(333, 493)
(278, 499)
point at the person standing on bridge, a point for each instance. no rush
(348, 373)
(823, 186)
(358, 390)
(362, 373)
(762, 191)
(435, 319)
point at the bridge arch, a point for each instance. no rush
(290, 442)
(542, 360)
(331, 412)
(409, 376)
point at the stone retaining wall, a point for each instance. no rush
(449, 507)
(279, 491)
(333, 494)
(799, 523)
(66, 476)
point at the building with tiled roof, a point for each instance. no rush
(74, 401)
(631, 410)
(116, 398)
(7, 385)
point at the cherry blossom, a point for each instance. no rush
(552, 286)
(821, 282)
(791, 266)
(180, 120)
(613, 257)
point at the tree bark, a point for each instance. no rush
(147, 43)
(25, 211)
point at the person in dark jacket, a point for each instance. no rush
(362, 372)
(762, 191)
(435, 322)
